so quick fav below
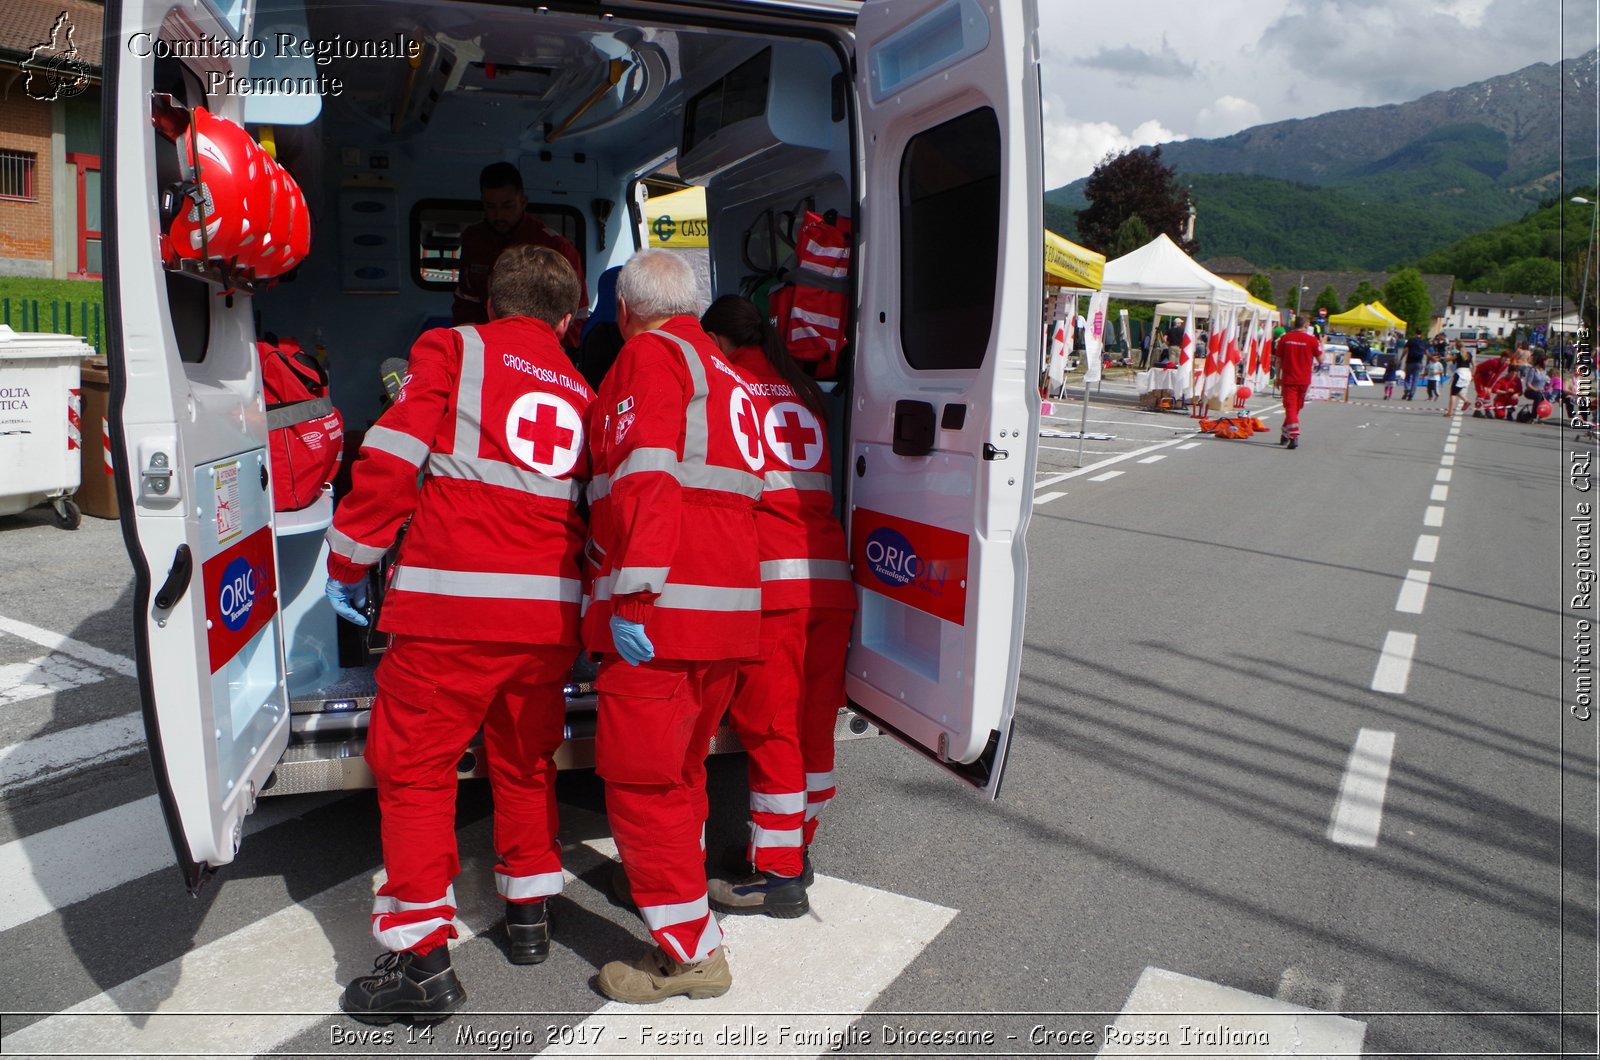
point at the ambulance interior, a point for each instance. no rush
(585, 104)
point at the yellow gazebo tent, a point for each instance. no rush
(1383, 311)
(678, 219)
(1068, 265)
(1362, 316)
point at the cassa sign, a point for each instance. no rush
(917, 564)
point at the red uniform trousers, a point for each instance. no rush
(432, 697)
(655, 727)
(785, 706)
(1294, 399)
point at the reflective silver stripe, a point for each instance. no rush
(397, 444)
(815, 808)
(499, 473)
(301, 411)
(816, 782)
(689, 597)
(542, 885)
(345, 545)
(690, 476)
(777, 802)
(783, 570)
(486, 585)
(469, 393)
(384, 903)
(722, 479)
(799, 480)
(639, 580)
(657, 917)
(636, 461)
(696, 428)
(767, 838)
(404, 936)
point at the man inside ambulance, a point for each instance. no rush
(483, 611)
(506, 223)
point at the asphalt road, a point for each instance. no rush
(1205, 630)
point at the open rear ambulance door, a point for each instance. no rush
(944, 411)
(190, 436)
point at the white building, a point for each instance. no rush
(1500, 314)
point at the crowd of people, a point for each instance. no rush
(676, 523)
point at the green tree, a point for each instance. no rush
(1406, 296)
(1365, 294)
(1532, 276)
(1260, 287)
(1134, 182)
(1131, 235)
(1292, 297)
(1328, 299)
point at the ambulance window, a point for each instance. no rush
(949, 242)
(437, 224)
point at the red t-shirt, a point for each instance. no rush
(481, 245)
(1297, 351)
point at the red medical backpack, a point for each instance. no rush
(307, 433)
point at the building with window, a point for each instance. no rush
(1501, 314)
(50, 53)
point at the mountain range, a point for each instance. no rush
(1373, 186)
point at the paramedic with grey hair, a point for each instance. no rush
(675, 440)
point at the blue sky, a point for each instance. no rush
(1129, 72)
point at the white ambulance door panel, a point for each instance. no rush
(190, 435)
(944, 412)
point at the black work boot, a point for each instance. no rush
(783, 897)
(425, 989)
(736, 862)
(528, 928)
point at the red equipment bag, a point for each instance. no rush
(811, 309)
(307, 439)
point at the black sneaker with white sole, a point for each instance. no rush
(405, 986)
(783, 897)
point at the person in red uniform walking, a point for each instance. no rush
(787, 699)
(483, 611)
(676, 443)
(1297, 354)
(506, 223)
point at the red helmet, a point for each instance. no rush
(227, 166)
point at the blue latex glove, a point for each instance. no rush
(631, 642)
(347, 599)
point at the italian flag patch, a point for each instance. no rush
(625, 405)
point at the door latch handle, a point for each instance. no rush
(177, 582)
(991, 453)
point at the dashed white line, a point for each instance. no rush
(1046, 498)
(1104, 477)
(1189, 445)
(1153, 459)
(1449, 447)
(1441, 492)
(1107, 462)
(1394, 663)
(1427, 549)
(1445, 475)
(1358, 813)
(68, 646)
(1434, 516)
(1413, 592)
(1448, 461)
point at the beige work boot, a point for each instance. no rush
(656, 977)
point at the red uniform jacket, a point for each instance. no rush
(492, 416)
(481, 245)
(676, 442)
(1297, 351)
(804, 559)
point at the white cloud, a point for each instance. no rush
(1227, 115)
(1073, 148)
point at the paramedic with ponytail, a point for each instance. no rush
(787, 699)
(483, 609)
(675, 438)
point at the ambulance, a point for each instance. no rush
(916, 120)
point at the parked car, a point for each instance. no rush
(1336, 346)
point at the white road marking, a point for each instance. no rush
(1413, 592)
(44, 675)
(1448, 461)
(1104, 477)
(45, 756)
(1046, 498)
(1201, 1018)
(1449, 447)
(1097, 465)
(1154, 459)
(1358, 813)
(1445, 475)
(53, 869)
(1394, 663)
(781, 968)
(1434, 516)
(59, 642)
(1441, 492)
(1189, 445)
(1427, 549)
